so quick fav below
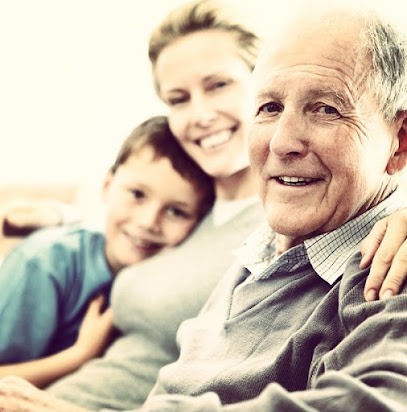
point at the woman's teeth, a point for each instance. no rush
(214, 140)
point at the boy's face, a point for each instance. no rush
(149, 206)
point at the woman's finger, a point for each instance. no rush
(386, 249)
(372, 242)
(397, 274)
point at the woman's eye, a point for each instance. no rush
(219, 84)
(326, 109)
(138, 194)
(270, 108)
(173, 101)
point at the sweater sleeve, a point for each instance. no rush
(366, 371)
(28, 307)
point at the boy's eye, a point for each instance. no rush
(178, 213)
(270, 108)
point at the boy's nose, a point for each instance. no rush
(149, 219)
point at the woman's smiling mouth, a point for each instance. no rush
(215, 140)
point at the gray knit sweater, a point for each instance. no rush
(149, 302)
(290, 342)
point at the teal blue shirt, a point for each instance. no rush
(46, 283)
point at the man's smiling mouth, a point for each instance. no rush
(296, 180)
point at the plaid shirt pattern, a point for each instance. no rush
(328, 253)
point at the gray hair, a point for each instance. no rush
(387, 46)
(382, 42)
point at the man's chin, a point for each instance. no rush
(295, 231)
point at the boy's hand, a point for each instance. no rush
(96, 331)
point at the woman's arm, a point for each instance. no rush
(17, 395)
(94, 335)
(385, 248)
(23, 217)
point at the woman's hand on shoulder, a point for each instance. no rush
(385, 248)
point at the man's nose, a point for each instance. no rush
(289, 138)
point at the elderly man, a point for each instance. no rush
(295, 332)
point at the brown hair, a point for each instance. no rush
(199, 16)
(155, 133)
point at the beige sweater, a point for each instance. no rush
(149, 301)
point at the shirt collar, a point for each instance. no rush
(328, 253)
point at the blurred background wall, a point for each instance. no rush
(74, 80)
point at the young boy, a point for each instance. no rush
(154, 195)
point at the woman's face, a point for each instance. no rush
(207, 87)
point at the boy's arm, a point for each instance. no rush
(28, 307)
(371, 372)
(94, 335)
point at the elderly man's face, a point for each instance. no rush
(318, 145)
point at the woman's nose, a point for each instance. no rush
(203, 113)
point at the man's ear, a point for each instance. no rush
(399, 159)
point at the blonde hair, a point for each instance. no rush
(204, 15)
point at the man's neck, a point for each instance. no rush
(283, 243)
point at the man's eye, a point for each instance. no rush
(326, 109)
(270, 108)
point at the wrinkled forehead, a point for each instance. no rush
(323, 41)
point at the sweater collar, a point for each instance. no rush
(328, 253)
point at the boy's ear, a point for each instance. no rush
(106, 183)
(399, 159)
